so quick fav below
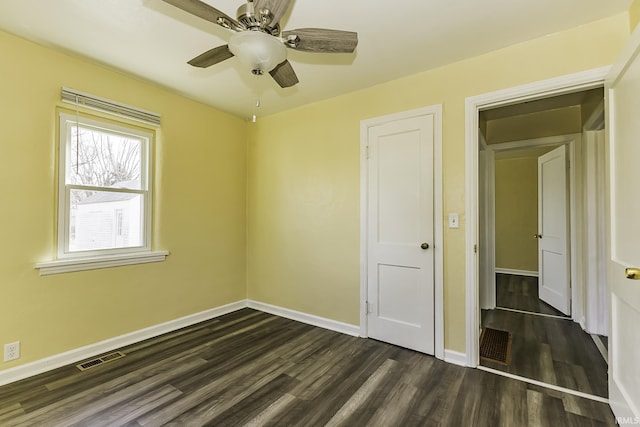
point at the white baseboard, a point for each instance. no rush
(583, 324)
(310, 319)
(455, 357)
(517, 272)
(78, 354)
(601, 348)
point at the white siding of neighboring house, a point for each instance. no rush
(96, 225)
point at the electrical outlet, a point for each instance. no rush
(12, 351)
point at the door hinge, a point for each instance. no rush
(367, 151)
(475, 249)
(367, 307)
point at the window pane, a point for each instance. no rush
(105, 220)
(103, 159)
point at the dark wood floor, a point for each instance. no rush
(521, 293)
(252, 368)
(555, 351)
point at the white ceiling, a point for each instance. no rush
(154, 40)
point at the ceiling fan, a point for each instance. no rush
(258, 42)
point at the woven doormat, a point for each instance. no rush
(495, 345)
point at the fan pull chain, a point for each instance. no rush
(258, 90)
(254, 118)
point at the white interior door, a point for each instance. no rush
(623, 95)
(400, 256)
(554, 286)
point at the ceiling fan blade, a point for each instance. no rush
(284, 75)
(277, 7)
(211, 57)
(321, 40)
(209, 13)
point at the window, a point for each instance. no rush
(104, 192)
(104, 196)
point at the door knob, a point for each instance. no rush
(632, 273)
(424, 246)
(537, 236)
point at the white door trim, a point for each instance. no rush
(436, 111)
(596, 295)
(473, 105)
(487, 234)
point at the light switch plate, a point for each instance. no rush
(454, 220)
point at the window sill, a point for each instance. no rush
(79, 264)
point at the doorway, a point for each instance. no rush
(525, 230)
(483, 280)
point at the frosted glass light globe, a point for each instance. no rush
(259, 51)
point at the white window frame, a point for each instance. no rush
(67, 260)
(67, 122)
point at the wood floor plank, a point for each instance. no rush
(11, 411)
(130, 411)
(511, 400)
(546, 366)
(436, 394)
(534, 408)
(253, 401)
(469, 408)
(393, 409)
(362, 394)
(256, 369)
(270, 413)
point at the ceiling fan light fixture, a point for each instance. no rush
(258, 42)
(259, 51)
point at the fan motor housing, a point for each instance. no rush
(247, 16)
(257, 21)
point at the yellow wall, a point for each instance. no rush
(634, 14)
(304, 173)
(200, 216)
(516, 199)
